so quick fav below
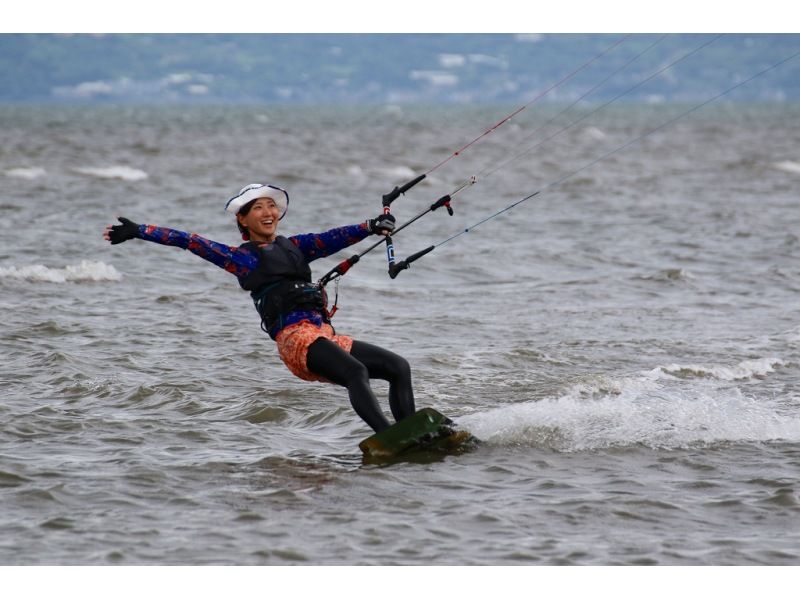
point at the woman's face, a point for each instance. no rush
(262, 220)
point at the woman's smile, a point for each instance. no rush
(262, 220)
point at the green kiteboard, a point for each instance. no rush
(426, 430)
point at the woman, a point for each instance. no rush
(293, 309)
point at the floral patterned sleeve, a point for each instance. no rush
(315, 246)
(239, 262)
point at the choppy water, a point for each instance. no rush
(627, 344)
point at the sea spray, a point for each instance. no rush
(125, 173)
(652, 409)
(84, 271)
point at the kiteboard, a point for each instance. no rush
(425, 431)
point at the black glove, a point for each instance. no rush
(122, 232)
(383, 223)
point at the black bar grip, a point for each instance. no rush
(395, 269)
(398, 191)
(410, 184)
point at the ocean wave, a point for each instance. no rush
(355, 171)
(651, 409)
(85, 271)
(29, 173)
(125, 173)
(593, 134)
(398, 173)
(666, 421)
(668, 275)
(793, 335)
(608, 385)
(787, 166)
(751, 368)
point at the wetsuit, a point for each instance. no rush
(307, 344)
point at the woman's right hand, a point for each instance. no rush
(119, 233)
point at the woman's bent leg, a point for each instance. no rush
(327, 359)
(385, 365)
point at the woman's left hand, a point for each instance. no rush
(383, 224)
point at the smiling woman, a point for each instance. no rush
(292, 308)
(259, 220)
(245, 201)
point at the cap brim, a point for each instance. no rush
(280, 197)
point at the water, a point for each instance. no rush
(626, 344)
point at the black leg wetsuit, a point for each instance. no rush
(353, 371)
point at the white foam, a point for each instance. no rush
(399, 172)
(787, 166)
(85, 271)
(125, 173)
(355, 171)
(607, 385)
(793, 336)
(750, 368)
(26, 173)
(666, 421)
(593, 133)
(651, 409)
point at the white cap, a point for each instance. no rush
(256, 191)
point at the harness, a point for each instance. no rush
(282, 283)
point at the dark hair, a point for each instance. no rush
(244, 211)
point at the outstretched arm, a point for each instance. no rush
(315, 246)
(239, 262)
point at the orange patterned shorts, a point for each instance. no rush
(293, 342)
